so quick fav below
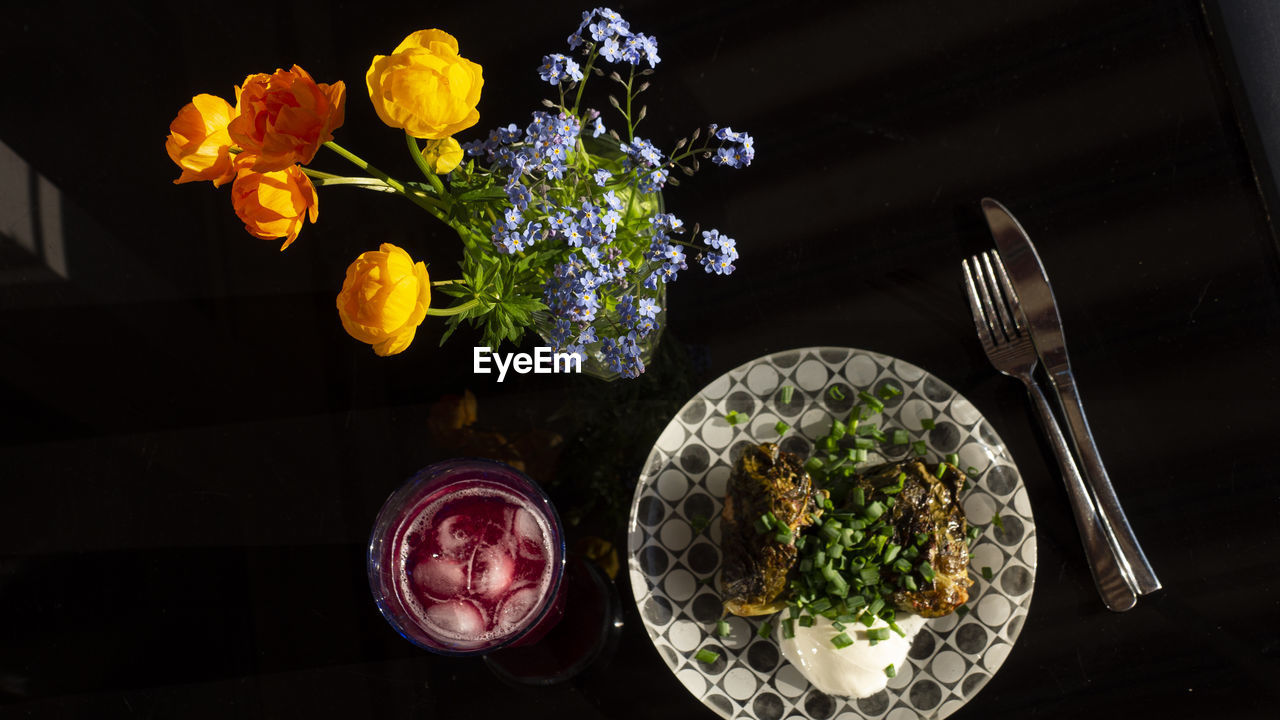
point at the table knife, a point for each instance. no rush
(1029, 280)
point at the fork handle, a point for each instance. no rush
(1114, 521)
(1116, 593)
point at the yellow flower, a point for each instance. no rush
(384, 298)
(286, 116)
(273, 204)
(442, 155)
(198, 140)
(425, 87)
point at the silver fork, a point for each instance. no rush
(1008, 346)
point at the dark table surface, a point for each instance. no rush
(193, 451)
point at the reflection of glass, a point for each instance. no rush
(468, 557)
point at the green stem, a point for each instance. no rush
(586, 73)
(631, 127)
(430, 174)
(365, 166)
(455, 281)
(422, 200)
(366, 183)
(318, 174)
(443, 312)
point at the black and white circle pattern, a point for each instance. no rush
(674, 531)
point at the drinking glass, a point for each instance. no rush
(468, 557)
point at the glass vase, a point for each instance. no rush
(605, 323)
(606, 153)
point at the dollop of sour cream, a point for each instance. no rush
(856, 671)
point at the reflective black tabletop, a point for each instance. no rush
(194, 451)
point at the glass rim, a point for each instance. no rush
(373, 561)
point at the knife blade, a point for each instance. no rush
(1040, 309)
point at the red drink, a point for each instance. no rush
(467, 557)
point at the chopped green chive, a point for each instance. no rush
(806, 621)
(722, 628)
(962, 610)
(836, 393)
(878, 634)
(926, 571)
(986, 573)
(842, 641)
(972, 471)
(927, 424)
(888, 390)
(788, 628)
(953, 458)
(698, 523)
(785, 395)
(766, 628)
(942, 470)
(900, 437)
(997, 521)
(919, 447)
(872, 401)
(890, 671)
(782, 427)
(706, 657)
(733, 417)
(838, 430)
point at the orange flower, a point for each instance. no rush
(273, 204)
(425, 87)
(384, 298)
(198, 140)
(285, 117)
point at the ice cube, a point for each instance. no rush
(440, 577)
(492, 571)
(452, 536)
(459, 619)
(517, 607)
(530, 533)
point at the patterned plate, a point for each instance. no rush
(675, 528)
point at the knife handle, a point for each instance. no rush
(1114, 521)
(1112, 584)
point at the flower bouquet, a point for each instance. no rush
(563, 222)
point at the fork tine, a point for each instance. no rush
(998, 297)
(1009, 295)
(990, 311)
(975, 305)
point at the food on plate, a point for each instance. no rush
(770, 499)
(926, 504)
(859, 670)
(843, 551)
